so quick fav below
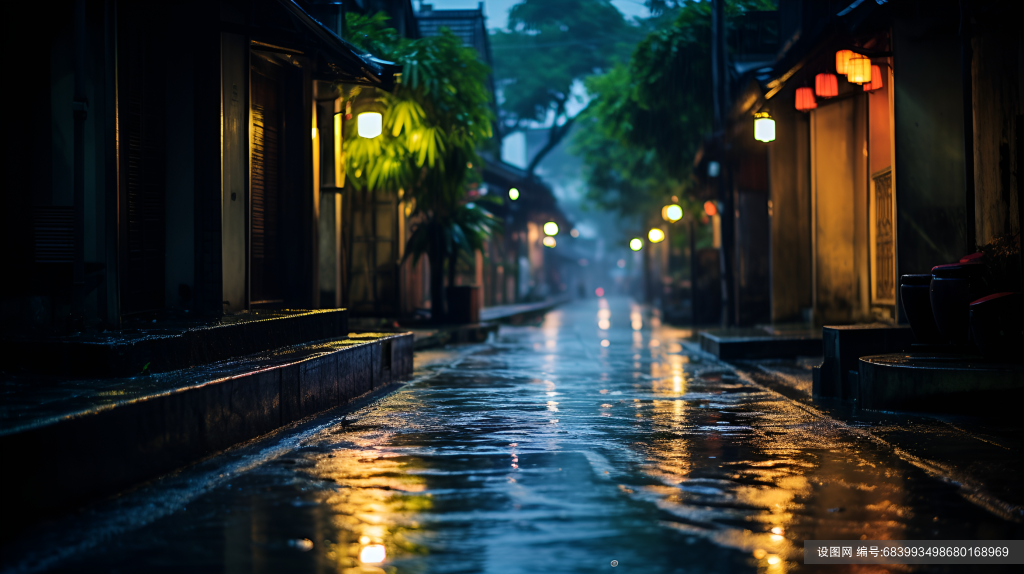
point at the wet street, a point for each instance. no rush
(594, 442)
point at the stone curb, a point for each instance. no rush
(60, 466)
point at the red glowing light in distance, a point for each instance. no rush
(710, 208)
(599, 291)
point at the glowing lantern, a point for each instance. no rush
(549, 241)
(764, 127)
(513, 194)
(826, 86)
(636, 243)
(672, 213)
(858, 69)
(372, 554)
(805, 99)
(842, 61)
(876, 80)
(655, 235)
(551, 228)
(710, 208)
(369, 124)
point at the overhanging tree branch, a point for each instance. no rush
(555, 135)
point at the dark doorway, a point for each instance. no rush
(142, 119)
(265, 223)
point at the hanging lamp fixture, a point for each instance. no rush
(826, 86)
(876, 80)
(842, 60)
(858, 69)
(805, 99)
(764, 127)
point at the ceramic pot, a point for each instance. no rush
(915, 294)
(973, 258)
(952, 289)
(995, 325)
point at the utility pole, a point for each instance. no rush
(720, 97)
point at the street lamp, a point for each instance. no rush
(655, 235)
(636, 243)
(370, 124)
(551, 228)
(513, 194)
(549, 241)
(764, 127)
(672, 213)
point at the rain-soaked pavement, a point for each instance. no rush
(560, 448)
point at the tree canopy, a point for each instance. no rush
(649, 116)
(550, 46)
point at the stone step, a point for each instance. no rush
(843, 345)
(739, 344)
(169, 345)
(73, 441)
(939, 383)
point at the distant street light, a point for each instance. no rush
(710, 208)
(672, 213)
(369, 124)
(575, 233)
(636, 243)
(655, 235)
(551, 228)
(549, 241)
(513, 194)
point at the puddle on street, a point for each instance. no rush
(561, 448)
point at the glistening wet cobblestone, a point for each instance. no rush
(560, 448)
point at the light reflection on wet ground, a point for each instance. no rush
(559, 448)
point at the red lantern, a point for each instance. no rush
(826, 86)
(805, 99)
(876, 80)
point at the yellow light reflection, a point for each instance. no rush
(605, 342)
(604, 324)
(604, 314)
(637, 324)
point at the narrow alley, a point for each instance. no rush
(596, 440)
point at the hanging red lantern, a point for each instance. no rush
(876, 80)
(805, 99)
(826, 86)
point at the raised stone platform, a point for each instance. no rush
(74, 440)
(760, 343)
(843, 345)
(169, 345)
(935, 383)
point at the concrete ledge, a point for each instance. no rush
(927, 382)
(71, 460)
(169, 347)
(516, 314)
(733, 344)
(441, 336)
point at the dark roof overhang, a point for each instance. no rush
(295, 31)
